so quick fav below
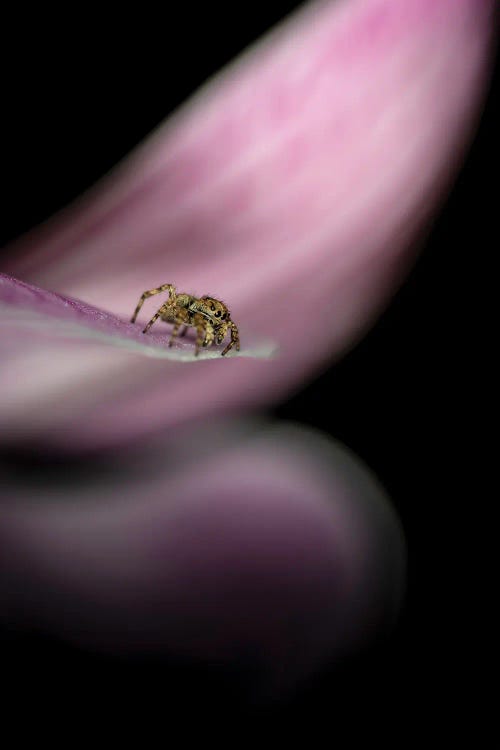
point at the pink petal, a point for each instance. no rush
(72, 352)
(273, 545)
(292, 186)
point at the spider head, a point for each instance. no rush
(215, 310)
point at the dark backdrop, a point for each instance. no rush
(80, 92)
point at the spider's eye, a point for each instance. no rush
(218, 313)
(212, 307)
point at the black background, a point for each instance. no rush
(80, 92)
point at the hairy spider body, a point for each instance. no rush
(208, 315)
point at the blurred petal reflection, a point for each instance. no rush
(272, 547)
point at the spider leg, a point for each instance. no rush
(162, 311)
(150, 293)
(175, 331)
(235, 339)
(205, 332)
(181, 317)
(209, 334)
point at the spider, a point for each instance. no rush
(208, 315)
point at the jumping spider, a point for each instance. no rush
(208, 315)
